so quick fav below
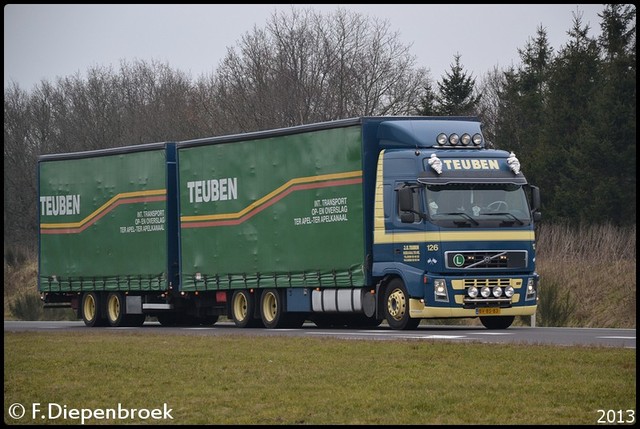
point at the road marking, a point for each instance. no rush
(619, 338)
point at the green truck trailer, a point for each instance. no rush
(344, 223)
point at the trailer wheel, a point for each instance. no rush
(115, 309)
(396, 306)
(242, 309)
(272, 309)
(497, 322)
(90, 310)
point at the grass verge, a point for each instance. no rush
(274, 380)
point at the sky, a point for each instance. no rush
(43, 42)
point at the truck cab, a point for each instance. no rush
(453, 226)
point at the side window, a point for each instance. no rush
(417, 206)
(388, 192)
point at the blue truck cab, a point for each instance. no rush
(453, 226)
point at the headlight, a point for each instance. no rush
(485, 292)
(465, 139)
(497, 291)
(440, 290)
(509, 291)
(472, 292)
(454, 139)
(477, 139)
(531, 289)
(442, 139)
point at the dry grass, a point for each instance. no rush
(595, 267)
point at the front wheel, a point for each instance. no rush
(497, 322)
(396, 306)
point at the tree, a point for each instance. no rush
(615, 123)
(456, 92)
(305, 67)
(522, 102)
(569, 153)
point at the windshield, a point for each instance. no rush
(475, 202)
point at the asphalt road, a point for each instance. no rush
(597, 337)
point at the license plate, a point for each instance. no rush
(484, 311)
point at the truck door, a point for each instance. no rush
(408, 225)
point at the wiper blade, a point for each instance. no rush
(505, 214)
(464, 215)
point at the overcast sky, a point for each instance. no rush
(49, 41)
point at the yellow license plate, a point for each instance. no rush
(484, 311)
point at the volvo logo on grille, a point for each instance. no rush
(458, 260)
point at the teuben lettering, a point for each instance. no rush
(59, 205)
(471, 164)
(204, 191)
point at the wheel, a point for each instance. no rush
(115, 309)
(90, 310)
(272, 309)
(242, 309)
(396, 308)
(497, 205)
(497, 322)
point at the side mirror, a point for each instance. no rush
(405, 200)
(535, 198)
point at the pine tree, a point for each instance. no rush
(455, 95)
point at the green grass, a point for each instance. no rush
(279, 380)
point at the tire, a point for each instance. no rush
(243, 305)
(396, 306)
(497, 322)
(115, 309)
(91, 310)
(272, 309)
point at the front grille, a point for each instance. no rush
(486, 259)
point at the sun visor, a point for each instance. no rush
(424, 133)
(443, 169)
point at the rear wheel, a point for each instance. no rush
(497, 322)
(115, 309)
(242, 309)
(272, 309)
(90, 310)
(116, 312)
(396, 306)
